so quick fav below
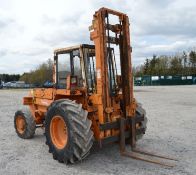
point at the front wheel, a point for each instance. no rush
(68, 131)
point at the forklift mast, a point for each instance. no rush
(104, 34)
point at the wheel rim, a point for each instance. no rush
(58, 132)
(20, 124)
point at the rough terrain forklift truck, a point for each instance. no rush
(92, 96)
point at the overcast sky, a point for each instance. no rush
(31, 29)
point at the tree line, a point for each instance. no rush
(9, 77)
(179, 64)
(40, 75)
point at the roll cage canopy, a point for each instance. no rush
(69, 49)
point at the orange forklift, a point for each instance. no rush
(91, 98)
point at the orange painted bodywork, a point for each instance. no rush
(40, 99)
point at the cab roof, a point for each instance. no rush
(68, 49)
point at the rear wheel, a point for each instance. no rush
(24, 124)
(68, 131)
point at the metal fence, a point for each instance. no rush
(165, 80)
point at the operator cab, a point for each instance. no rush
(75, 67)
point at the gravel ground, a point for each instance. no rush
(171, 131)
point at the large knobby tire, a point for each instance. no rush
(24, 124)
(68, 131)
(141, 112)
